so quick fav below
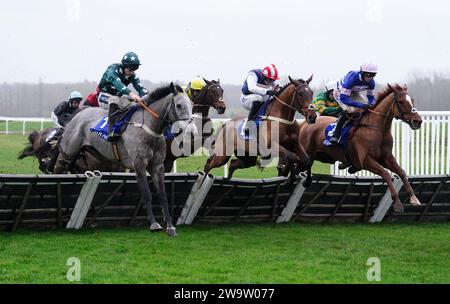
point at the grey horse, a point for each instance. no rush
(142, 145)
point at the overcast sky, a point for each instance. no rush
(74, 40)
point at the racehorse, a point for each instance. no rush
(278, 120)
(370, 145)
(210, 95)
(142, 145)
(43, 146)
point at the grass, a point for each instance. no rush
(17, 126)
(288, 253)
(13, 144)
(265, 253)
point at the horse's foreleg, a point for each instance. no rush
(215, 162)
(392, 164)
(145, 194)
(241, 163)
(62, 163)
(373, 166)
(157, 174)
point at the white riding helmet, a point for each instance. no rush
(369, 67)
(331, 85)
(75, 95)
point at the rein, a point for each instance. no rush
(301, 111)
(207, 89)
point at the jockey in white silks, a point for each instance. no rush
(258, 87)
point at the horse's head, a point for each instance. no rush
(180, 111)
(303, 99)
(214, 95)
(403, 107)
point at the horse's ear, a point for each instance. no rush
(309, 79)
(391, 88)
(206, 81)
(218, 80)
(290, 79)
(405, 87)
(173, 88)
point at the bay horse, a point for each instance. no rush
(142, 146)
(209, 96)
(370, 145)
(279, 120)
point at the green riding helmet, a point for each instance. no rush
(130, 59)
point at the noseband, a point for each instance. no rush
(303, 109)
(403, 115)
(209, 87)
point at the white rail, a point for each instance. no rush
(24, 121)
(422, 152)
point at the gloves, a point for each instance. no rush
(365, 107)
(270, 93)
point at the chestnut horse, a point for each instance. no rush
(210, 95)
(296, 96)
(370, 145)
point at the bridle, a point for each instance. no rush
(207, 88)
(403, 114)
(303, 110)
(165, 118)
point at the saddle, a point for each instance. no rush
(347, 130)
(257, 122)
(124, 115)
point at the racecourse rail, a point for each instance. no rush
(111, 199)
(422, 152)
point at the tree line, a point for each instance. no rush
(431, 93)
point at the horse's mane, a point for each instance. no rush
(163, 92)
(386, 91)
(281, 89)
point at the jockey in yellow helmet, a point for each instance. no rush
(194, 87)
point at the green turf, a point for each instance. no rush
(265, 253)
(11, 145)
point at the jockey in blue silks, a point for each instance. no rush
(349, 94)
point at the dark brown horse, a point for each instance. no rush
(370, 145)
(276, 133)
(209, 96)
(46, 152)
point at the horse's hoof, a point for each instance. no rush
(398, 207)
(171, 231)
(352, 170)
(155, 227)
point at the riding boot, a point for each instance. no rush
(337, 131)
(251, 115)
(112, 136)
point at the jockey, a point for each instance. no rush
(113, 87)
(194, 87)
(350, 97)
(258, 87)
(65, 110)
(325, 103)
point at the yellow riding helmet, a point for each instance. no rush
(197, 84)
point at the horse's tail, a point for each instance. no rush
(28, 151)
